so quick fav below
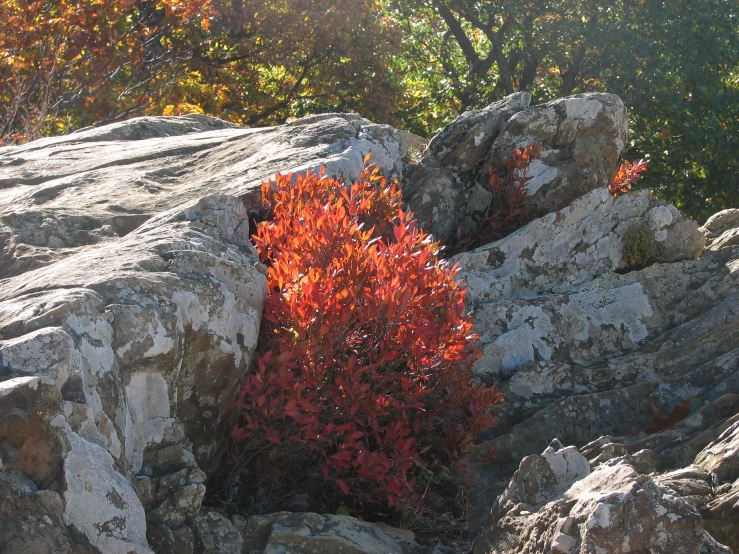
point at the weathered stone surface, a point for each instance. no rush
(137, 312)
(721, 459)
(32, 521)
(582, 138)
(144, 339)
(614, 509)
(442, 190)
(585, 347)
(721, 515)
(307, 533)
(722, 229)
(676, 447)
(540, 479)
(62, 194)
(464, 143)
(570, 247)
(132, 301)
(215, 534)
(720, 222)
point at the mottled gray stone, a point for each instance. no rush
(581, 136)
(130, 311)
(63, 194)
(614, 509)
(307, 533)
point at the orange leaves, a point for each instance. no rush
(626, 176)
(367, 348)
(509, 207)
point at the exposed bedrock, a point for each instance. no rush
(129, 315)
(131, 296)
(581, 136)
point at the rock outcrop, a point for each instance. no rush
(614, 509)
(589, 347)
(65, 194)
(129, 316)
(581, 136)
(296, 533)
(131, 296)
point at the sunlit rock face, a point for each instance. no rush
(587, 346)
(581, 139)
(129, 316)
(131, 297)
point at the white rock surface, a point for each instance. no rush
(612, 510)
(130, 311)
(581, 136)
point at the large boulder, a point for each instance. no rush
(129, 316)
(614, 509)
(581, 136)
(585, 345)
(722, 229)
(63, 194)
(305, 533)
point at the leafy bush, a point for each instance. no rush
(365, 376)
(509, 207)
(626, 177)
(640, 245)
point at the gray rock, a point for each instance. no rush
(130, 312)
(721, 515)
(215, 534)
(442, 190)
(32, 521)
(582, 138)
(540, 479)
(613, 509)
(584, 347)
(722, 229)
(307, 533)
(675, 447)
(721, 457)
(720, 222)
(573, 246)
(63, 194)
(464, 143)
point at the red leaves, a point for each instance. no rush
(368, 350)
(509, 207)
(343, 486)
(626, 176)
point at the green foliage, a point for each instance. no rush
(641, 248)
(675, 64)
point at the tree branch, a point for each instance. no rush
(455, 27)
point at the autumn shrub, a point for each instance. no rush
(509, 207)
(626, 177)
(363, 386)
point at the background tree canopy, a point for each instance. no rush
(411, 63)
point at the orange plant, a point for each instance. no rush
(509, 207)
(365, 378)
(626, 176)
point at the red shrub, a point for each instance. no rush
(509, 208)
(365, 378)
(626, 176)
